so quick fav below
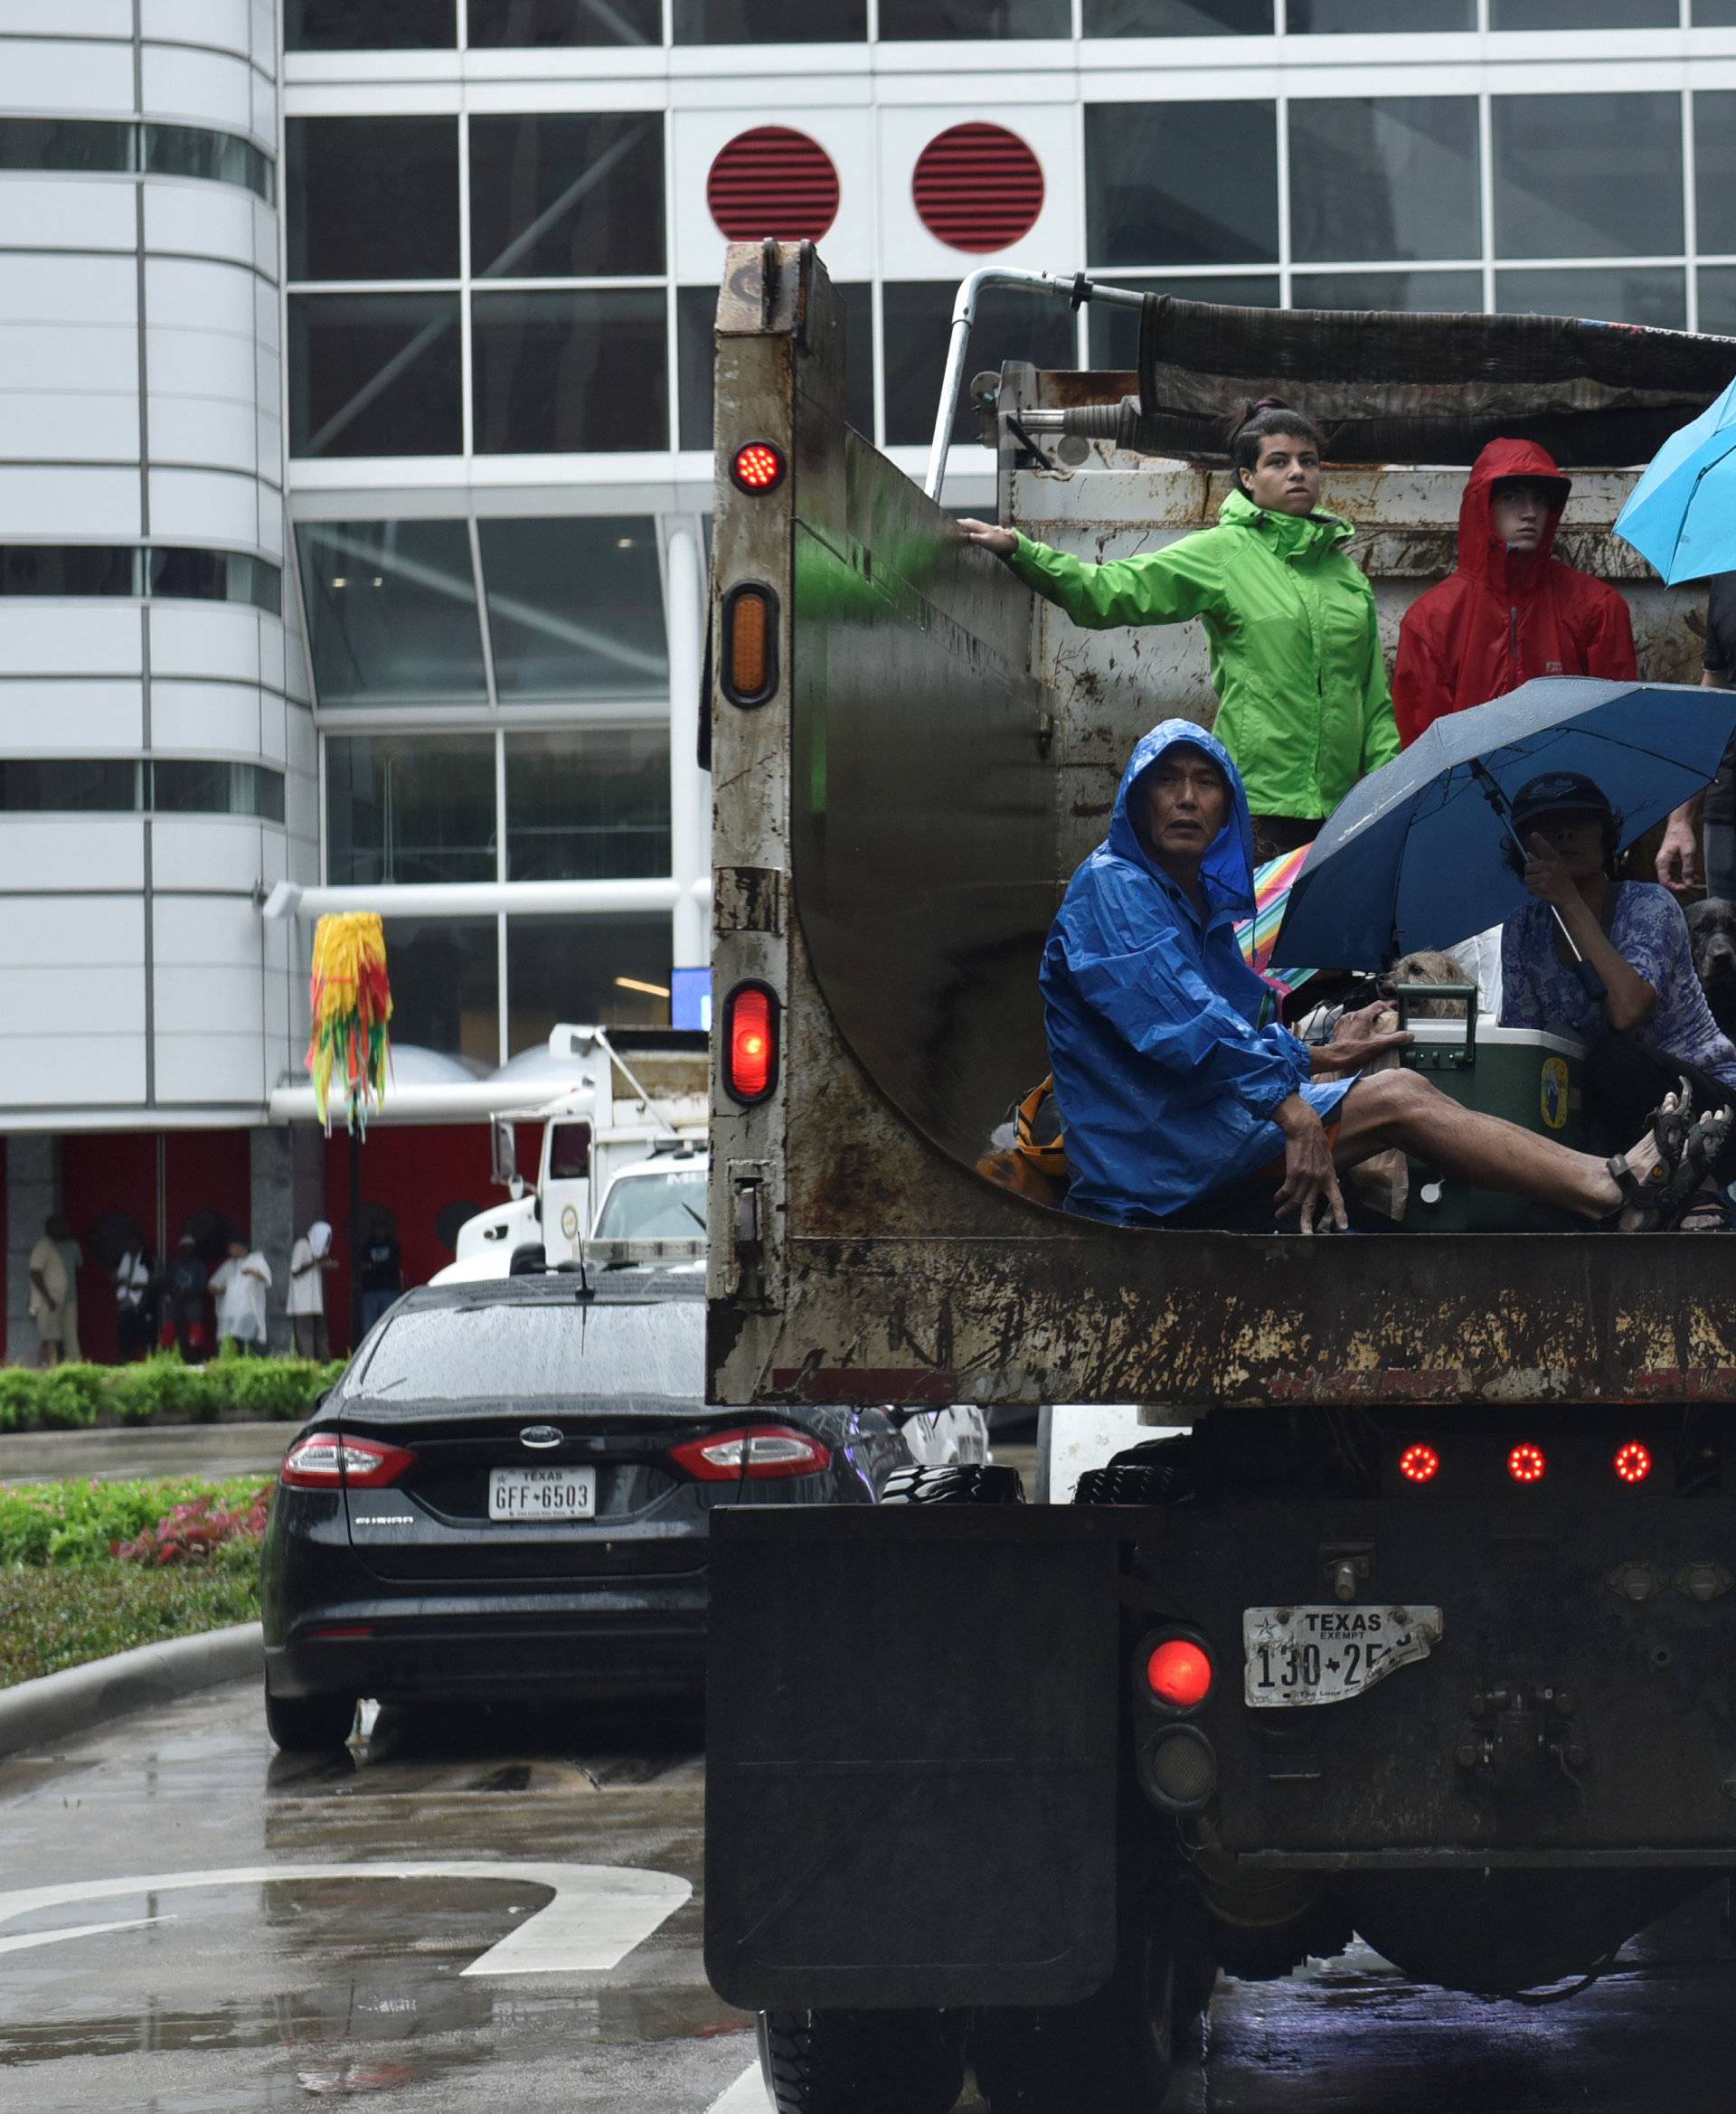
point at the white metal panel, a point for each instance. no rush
(212, 719)
(209, 1067)
(205, 638)
(71, 719)
(907, 251)
(80, 932)
(68, 289)
(268, 329)
(191, 930)
(106, 1000)
(210, 429)
(70, 637)
(304, 744)
(66, 428)
(68, 1071)
(265, 239)
(227, 23)
(70, 851)
(67, 213)
(264, 103)
(271, 654)
(204, 86)
(265, 35)
(75, 356)
(94, 80)
(273, 736)
(846, 133)
(193, 997)
(206, 852)
(197, 219)
(198, 506)
(270, 523)
(70, 18)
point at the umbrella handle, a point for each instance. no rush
(1590, 982)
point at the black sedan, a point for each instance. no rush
(508, 1497)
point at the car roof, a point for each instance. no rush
(635, 1283)
(663, 1164)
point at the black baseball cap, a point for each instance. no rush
(1560, 792)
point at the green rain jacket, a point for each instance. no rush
(1302, 705)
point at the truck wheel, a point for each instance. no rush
(1112, 2054)
(862, 2061)
(971, 1483)
(1137, 1483)
(308, 1725)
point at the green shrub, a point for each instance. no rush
(54, 1619)
(79, 1523)
(17, 1399)
(71, 1397)
(67, 1398)
(152, 1388)
(272, 1389)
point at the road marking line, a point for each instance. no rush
(599, 1913)
(26, 1939)
(746, 2095)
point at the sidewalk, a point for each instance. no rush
(164, 1449)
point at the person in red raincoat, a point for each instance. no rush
(1512, 610)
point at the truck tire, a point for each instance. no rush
(862, 2061)
(1133, 1483)
(974, 1482)
(308, 1725)
(1112, 2055)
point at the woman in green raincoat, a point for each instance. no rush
(1303, 706)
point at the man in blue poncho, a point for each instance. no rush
(1174, 1079)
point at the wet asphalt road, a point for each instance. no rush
(580, 1987)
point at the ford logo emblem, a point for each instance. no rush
(541, 1435)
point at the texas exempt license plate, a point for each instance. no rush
(542, 1493)
(1298, 1656)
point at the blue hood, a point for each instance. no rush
(1167, 1056)
(1228, 867)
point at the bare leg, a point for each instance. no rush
(1404, 1108)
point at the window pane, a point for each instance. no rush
(214, 576)
(1377, 17)
(918, 324)
(918, 19)
(188, 150)
(391, 612)
(1163, 186)
(567, 197)
(565, 373)
(181, 787)
(1393, 179)
(408, 808)
(1714, 13)
(1718, 300)
(370, 25)
(1714, 170)
(590, 804)
(80, 785)
(770, 22)
(1114, 333)
(74, 143)
(1426, 292)
(1179, 18)
(372, 197)
(521, 24)
(69, 569)
(695, 315)
(375, 374)
(1583, 13)
(575, 608)
(446, 987)
(573, 969)
(1592, 175)
(1655, 295)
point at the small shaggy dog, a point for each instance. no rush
(1427, 968)
(1712, 934)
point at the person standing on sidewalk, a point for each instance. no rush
(72, 1257)
(48, 1295)
(382, 1266)
(240, 1285)
(310, 1259)
(1699, 847)
(135, 1308)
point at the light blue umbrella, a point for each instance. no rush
(1681, 516)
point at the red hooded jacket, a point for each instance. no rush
(1504, 617)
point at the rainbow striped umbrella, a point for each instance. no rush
(1272, 885)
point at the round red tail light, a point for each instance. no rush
(756, 467)
(1420, 1464)
(1525, 1463)
(750, 1043)
(1633, 1462)
(1179, 1673)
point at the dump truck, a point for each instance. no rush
(1416, 1618)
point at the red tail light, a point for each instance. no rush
(757, 465)
(762, 1453)
(1633, 1462)
(1179, 1673)
(1419, 1464)
(332, 1460)
(1525, 1463)
(750, 1043)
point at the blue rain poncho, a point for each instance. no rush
(1166, 1057)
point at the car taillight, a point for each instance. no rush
(750, 1043)
(761, 1455)
(331, 1461)
(1525, 1463)
(749, 643)
(1420, 1464)
(1633, 1462)
(1178, 1672)
(757, 465)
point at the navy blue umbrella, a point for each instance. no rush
(1415, 856)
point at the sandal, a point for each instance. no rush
(1708, 1213)
(1705, 1144)
(1673, 1130)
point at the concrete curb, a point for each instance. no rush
(57, 1706)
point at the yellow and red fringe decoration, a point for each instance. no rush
(351, 1002)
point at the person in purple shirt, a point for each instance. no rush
(1652, 1027)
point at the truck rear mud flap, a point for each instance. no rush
(912, 1756)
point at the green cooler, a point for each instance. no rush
(1522, 1074)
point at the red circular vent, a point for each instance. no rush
(978, 187)
(773, 181)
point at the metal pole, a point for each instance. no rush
(355, 1239)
